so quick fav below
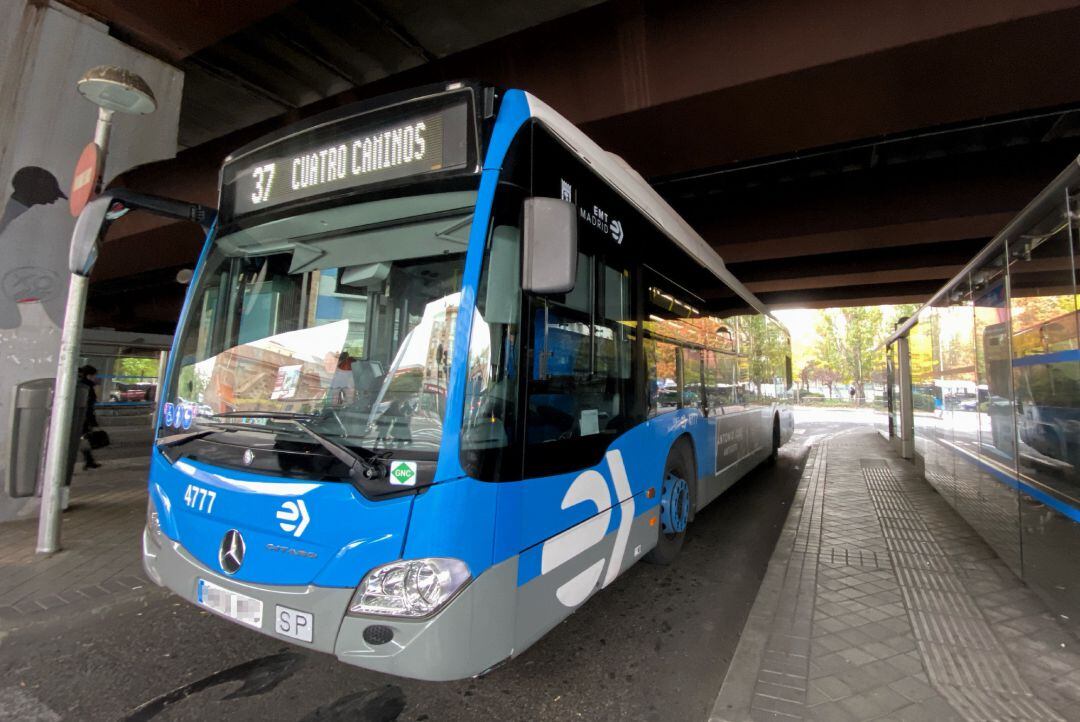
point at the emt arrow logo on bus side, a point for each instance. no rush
(289, 513)
(590, 488)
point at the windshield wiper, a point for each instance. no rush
(359, 467)
(368, 473)
(177, 439)
(289, 415)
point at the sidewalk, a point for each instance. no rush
(880, 602)
(101, 539)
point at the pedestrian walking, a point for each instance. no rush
(88, 377)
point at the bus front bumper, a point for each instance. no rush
(470, 635)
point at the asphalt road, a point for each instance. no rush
(655, 645)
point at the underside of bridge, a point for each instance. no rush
(834, 153)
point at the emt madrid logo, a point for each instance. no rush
(403, 473)
(293, 517)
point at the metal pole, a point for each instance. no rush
(101, 140)
(63, 405)
(56, 455)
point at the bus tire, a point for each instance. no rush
(775, 453)
(679, 464)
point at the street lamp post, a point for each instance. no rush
(112, 89)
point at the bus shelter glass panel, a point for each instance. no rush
(957, 379)
(896, 427)
(937, 456)
(1044, 351)
(921, 352)
(877, 390)
(1046, 384)
(997, 500)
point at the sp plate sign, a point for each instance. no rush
(403, 473)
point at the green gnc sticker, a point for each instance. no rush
(403, 473)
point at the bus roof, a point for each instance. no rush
(631, 186)
(622, 178)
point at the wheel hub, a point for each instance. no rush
(674, 505)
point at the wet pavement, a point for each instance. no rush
(654, 645)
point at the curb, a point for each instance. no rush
(737, 691)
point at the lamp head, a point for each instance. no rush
(117, 89)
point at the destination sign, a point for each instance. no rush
(351, 154)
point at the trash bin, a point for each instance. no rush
(29, 430)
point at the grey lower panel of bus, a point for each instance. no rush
(538, 607)
(491, 620)
(467, 637)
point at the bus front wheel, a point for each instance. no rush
(676, 504)
(775, 453)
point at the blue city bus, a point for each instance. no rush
(446, 369)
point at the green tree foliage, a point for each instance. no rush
(847, 339)
(139, 367)
(829, 369)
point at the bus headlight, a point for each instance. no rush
(412, 588)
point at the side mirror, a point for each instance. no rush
(549, 240)
(114, 203)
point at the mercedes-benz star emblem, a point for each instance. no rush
(231, 554)
(248, 457)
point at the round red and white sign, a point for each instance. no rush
(84, 180)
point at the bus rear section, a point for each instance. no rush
(385, 439)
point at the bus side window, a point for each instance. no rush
(579, 383)
(720, 380)
(693, 365)
(663, 364)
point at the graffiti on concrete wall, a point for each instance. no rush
(24, 275)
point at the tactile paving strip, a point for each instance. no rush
(781, 686)
(848, 557)
(964, 660)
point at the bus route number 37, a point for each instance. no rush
(200, 499)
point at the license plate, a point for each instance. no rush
(240, 607)
(294, 623)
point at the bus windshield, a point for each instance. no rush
(345, 316)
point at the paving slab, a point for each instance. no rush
(880, 602)
(101, 548)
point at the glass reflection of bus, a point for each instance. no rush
(997, 359)
(1046, 373)
(447, 369)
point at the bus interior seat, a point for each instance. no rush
(551, 416)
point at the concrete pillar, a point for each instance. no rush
(44, 125)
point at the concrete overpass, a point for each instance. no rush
(834, 153)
